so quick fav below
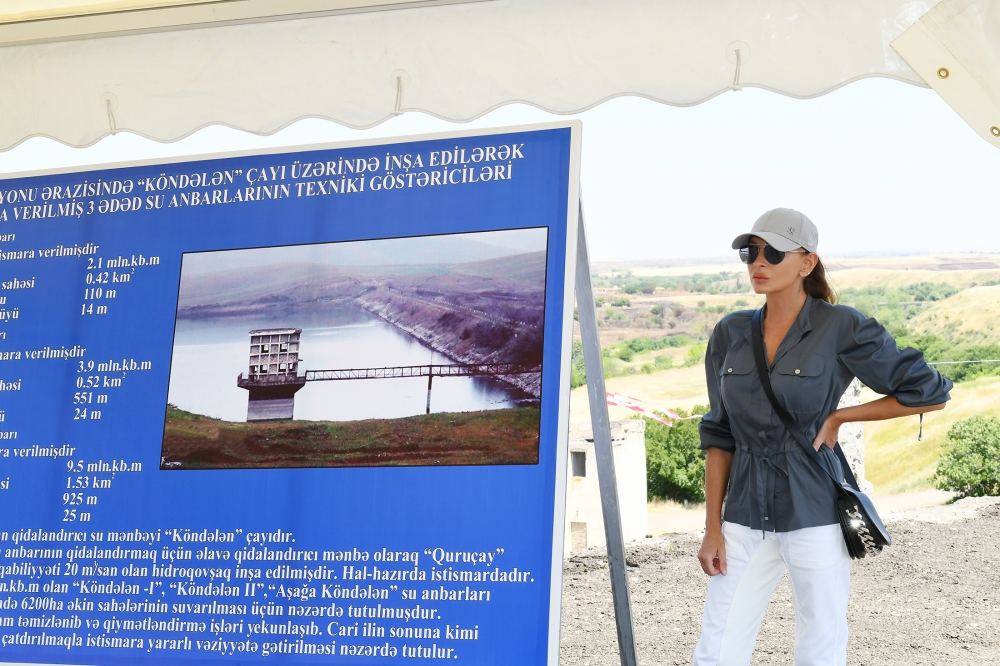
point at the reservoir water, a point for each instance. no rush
(208, 356)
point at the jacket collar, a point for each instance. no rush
(800, 327)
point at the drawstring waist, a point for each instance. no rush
(759, 462)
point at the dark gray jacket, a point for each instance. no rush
(772, 484)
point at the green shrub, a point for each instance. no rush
(612, 315)
(675, 466)
(695, 355)
(639, 286)
(577, 371)
(971, 465)
(663, 362)
(930, 291)
(938, 349)
(612, 367)
(615, 358)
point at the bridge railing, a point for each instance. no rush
(431, 370)
(270, 379)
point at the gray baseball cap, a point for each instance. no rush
(783, 229)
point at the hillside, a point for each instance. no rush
(971, 315)
(472, 321)
(896, 462)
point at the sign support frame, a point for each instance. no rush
(601, 424)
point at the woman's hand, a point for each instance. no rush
(829, 432)
(712, 554)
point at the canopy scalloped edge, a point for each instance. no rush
(453, 62)
(268, 131)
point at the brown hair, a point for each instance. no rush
(816, 285)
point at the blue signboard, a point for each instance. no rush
(303, 407)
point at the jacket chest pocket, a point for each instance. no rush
(737, 382)
(801, 384)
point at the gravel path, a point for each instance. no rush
(932, 598)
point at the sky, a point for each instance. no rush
(882, 167)
(441, 249)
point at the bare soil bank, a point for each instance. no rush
(932, 598)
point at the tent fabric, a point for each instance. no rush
(453, 61)
(956, 48)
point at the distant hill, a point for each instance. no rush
(971, 315)
(287, 288)
(528, 267)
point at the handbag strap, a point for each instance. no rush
(757, 337)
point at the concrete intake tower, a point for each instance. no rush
(273, 375)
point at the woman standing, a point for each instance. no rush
(779, 506)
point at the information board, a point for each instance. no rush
(306, 406)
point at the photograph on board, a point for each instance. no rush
(423, 350)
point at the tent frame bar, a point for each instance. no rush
(41, 27)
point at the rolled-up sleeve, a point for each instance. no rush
(714, 427)
(872, 355)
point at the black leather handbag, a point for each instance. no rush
(864, 531)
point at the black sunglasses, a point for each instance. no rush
(748, 253)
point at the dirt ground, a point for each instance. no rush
(932, 598)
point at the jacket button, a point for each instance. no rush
(729, 370)
(797, 371)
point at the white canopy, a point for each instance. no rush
(459, 61)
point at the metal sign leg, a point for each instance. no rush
(602, 448)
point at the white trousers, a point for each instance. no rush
(820, 569)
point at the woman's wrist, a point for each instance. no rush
(837, 418)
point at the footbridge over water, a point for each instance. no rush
(272, 396)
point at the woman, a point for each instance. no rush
(779, 505)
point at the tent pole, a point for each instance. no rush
(602, 447)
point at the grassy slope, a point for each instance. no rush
(494, 437)
(895, 461)
(668, 389)
(971, 315)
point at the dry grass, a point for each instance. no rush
(493, 437)
(971, 315)
(668, 389)
(896, 462)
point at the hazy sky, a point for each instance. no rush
(442, 249)
(881, 167)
